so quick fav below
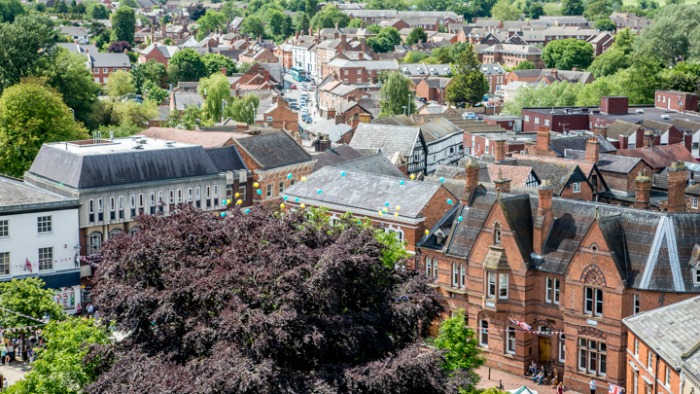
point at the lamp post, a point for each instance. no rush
(254, 112)
(408, 111)
(72, 111)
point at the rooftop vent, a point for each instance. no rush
(137, 147)
(639, 111)
(665, 117)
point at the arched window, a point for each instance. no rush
(94, 243)
(497, 233)
(133, 230)
(115, 232)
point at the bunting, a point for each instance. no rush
(521, 324)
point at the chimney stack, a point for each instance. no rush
(543, 139)
(502, 184)
(224, 71)
(500, 150)
(544, 216)
(677, 179)
(648, 138)
(322, 143)
(601, 131)
(472, 169)
(592, 150)
(642, 187)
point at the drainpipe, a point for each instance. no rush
(656, 373)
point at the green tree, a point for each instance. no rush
(506, 10)
(275, 22)
(119, 84)
(572, 7)
(66, 73)
(567, 54)
(673, 37)
(526, 65)
(214, 62)
(190, 118)
(329, 17)
(462, 353)
(211, 21)
(9, 10)
(310, 7)
(605, 24)
(186, 65)
(558, 94)
(414, 57)
(394, 95)
(534, 10)
(150, 71)
(123, 25)
(642, 79)
(609, 63)
(25, 43)
(98, 11)
(154, 93)
(216, 91)
(130, 113)
(62, 366)
(591, 93)
(31, 114)
(253, 26)
(468, 83)
(600, 9)
(385, 41)
(243, 109)
(28, 297)
(356, 23)
(684, 76)
(416, 35)
(301, 23)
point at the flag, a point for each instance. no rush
(521, 324)
(615, 389)
(27, 265)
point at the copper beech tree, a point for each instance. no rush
(263, 303)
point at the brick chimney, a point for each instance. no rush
(500, 150)
(363, 44)
(642, 188)
(330, 114)
(677, 179)
(224, 71)
(554, 73)
(163, 30)
(322, 143)
(502, 184)
(592, 150)
(472, 169)
(601, 131)
(543, 139)
(544, 216)
(648, 138)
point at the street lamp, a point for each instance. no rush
(404, 110)
(76, 247)
(254, 112)
(72, 111)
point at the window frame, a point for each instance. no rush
(576, 187)
(595, 299)
(44, 224)
(484, 333)
(511, 341)
(455, 275)
(562, 348)
(503, 282)
(45, 263)
(491, 284)
(4, 263)
(5, 228)
(636, 304)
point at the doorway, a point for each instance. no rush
(545, 349)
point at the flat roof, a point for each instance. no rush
(650, 112)
(117, 145)
(18, 196)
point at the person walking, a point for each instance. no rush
(591, 385)
(5, 354)
(560, 388)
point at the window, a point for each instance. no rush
(491, 284)
(696, 276)
(112, 209)
(546, 122)
(484, 334)
(667, 380)
(96, 70)
(562, 348)
(121, 207)
(105, 70)
(636, 347)
(179, 196)
(94, 243)
(216, 195)
(141, 203)
(152, 204)
(5, 263)
(537, 120)
(268, 190)
(694, 203)
(91, 211)
(281, 188)
(242, 193)
(198, 197)
(496, 234)
(132, 205)
(592, 356)
(526, 118)
(43, 224)
(577, 187)
(428, 267)
(45, 259)
(552, 290)
(503, 286)
(160, 201)
(650, 359)
(4, 228)
(462, 275)
(189, 195)
(436, 268)
(455, 275)
(636, 304)
(510, 340)
(593, 301)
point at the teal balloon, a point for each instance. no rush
(402, 182)
(319, 191)
(459, 219)
(223, 214)
(343, 173)
(386, 203)
(289, 176)
(442, 180)
(247, 211)
(285, 198)
(259, 192)
(449, 201)
(296, 199)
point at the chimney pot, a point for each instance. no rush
(500, 150)
(592, 150)
(677, 180)
(642, 187)
(472, 169)
(543, 139)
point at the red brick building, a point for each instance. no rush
(570, 269)
(102, 65)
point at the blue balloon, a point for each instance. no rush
(289, 176)
(459, 219)
(402, 182)
(259, 192)
(285, 198)
(442, 180)
(319, 191)
(223, 214)
(247, 211)
(343, 173)
(386, 204)
(296, 199)
(449, 201)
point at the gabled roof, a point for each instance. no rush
(207, 139)
(518, 175)
(226, 158)
(376, 164)
(274, 149)
(607, 163)
(388, 138)
(364, 191)
(659, 156)
(560, 144)
(621, 127)
(334, 156)
(109, 60)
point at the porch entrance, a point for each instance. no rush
(545, 349)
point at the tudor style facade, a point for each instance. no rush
(570, 269)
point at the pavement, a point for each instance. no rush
(14, 372)
(510, 381)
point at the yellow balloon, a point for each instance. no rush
(239, 202)
(427, 232)
(256, 184)
(385, 209)
(282, 205)
(396, 214)
(380, 213)
(398, 207)
(238, 195)
(413, 176)
(303, 179)
(302, 206)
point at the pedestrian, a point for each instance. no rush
(560, 388)
(78, 310)
(533, 368)
(30, 354)
(11, 350)
(591, 385)
(5, 354)
(90, 309)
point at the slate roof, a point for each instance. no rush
(364, 191)
(437, 129)
(621, 127)
(374, 164)
(518, 175)
(607, 163)
(560, 144)
(672, 331)
(109, 60)
(16, 196)
(558, 173)
(274, 149)
(336, 155)
(659, 156)
(207, 139)
(226, 158)
(390, 139)
(84, 166)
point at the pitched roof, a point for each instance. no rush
(518, 175)
(390, 139)
(621, 127)
(207, 139)
(274, 149)
(226, 158)
(364, 191)
(18, 196)
(336, 155)
(659, 156)
(560, 144)
(374, 164)
(110, 60)
(607, 163)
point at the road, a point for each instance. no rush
(294, 94)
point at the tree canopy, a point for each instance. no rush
(525, 65)
(28, 297)
(216, 91)
(506, 10)
(468, 83)
(186, 65)
(329, 16)
(25, 43)
(418, 34)
(120, 83)
(243, 109)
(385, 40)
(674, 36)
(150, 71)
(123, 24)
(567, 54)
(255, 302)
(462, 348)
(394, 95)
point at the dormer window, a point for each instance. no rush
(497, 233)
(696, 276)
(439, 237)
